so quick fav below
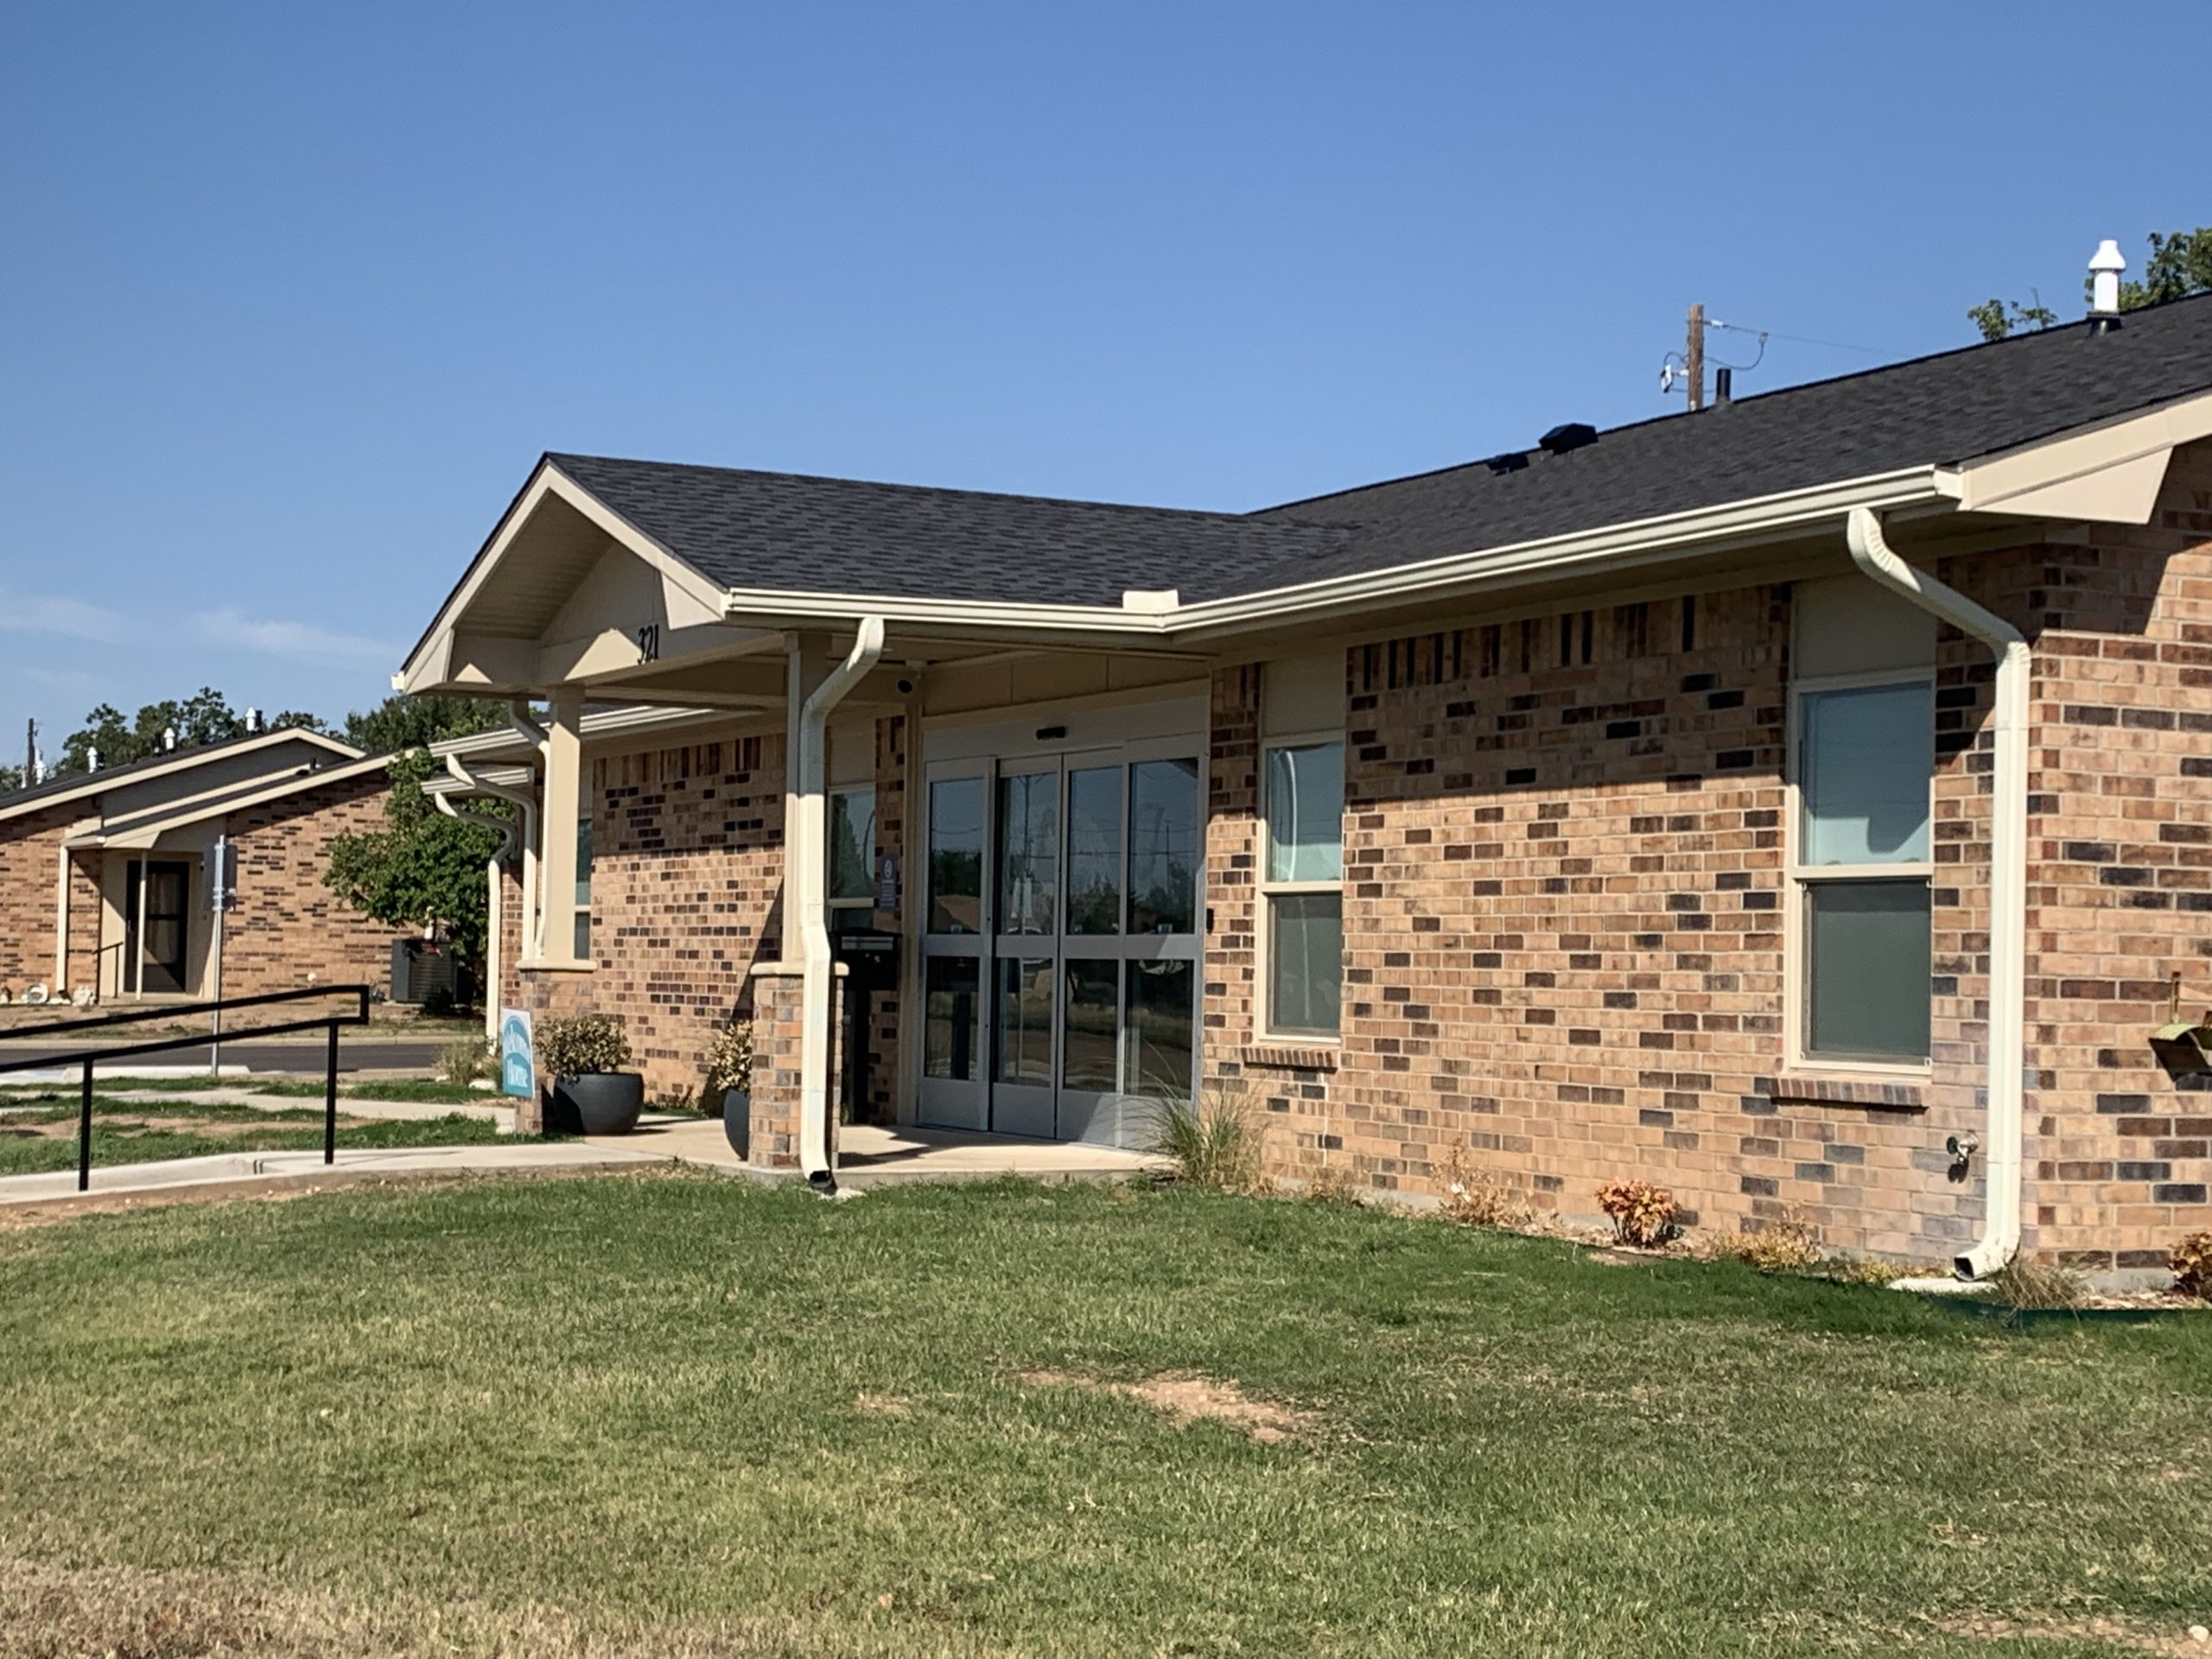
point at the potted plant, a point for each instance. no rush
(729, 1082)
(591, 1093)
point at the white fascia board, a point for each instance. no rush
(145, 830)
(429, 662)
(93, 783)
(597, 723)
(2110, 473)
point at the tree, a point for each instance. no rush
(205, 717)
(413, 723)
(12, 779)
(2179, 266)
(422, 869)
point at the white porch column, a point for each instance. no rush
(557, 869)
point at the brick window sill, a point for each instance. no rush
(1830, 1089)
(1289, 1057)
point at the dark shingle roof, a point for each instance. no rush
(788, 533)
(1931, 411)
(782, 531)
(108, 776)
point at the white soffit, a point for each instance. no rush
(2106, 475)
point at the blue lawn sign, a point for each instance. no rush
(518, 1063)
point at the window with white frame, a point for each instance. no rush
(1862, 762)
(1302, 885)
(851, 857)
(583, 889)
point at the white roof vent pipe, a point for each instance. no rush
(169, 738)
(253, 722)
(2105, 267)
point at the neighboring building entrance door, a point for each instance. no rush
(156, 914)
(1060, 942)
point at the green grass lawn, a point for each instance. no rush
(678, 1414)
(44, 1137)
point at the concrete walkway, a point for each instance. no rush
(871, 1155)
(238, 1169)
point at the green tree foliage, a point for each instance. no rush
(2179, 266)
(205, 717)
(411, 723)
(12, 779)
(422, 868)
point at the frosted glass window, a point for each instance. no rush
(1868, 966)
(1306, 813)
(1864, 759)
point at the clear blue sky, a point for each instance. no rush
(292, 295)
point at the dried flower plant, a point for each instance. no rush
(1643, 1214)
(2191, 1261)
(1474, 1197)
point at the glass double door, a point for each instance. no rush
(1061, 944)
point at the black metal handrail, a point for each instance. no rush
(329, 1022)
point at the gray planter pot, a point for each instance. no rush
(596, 1103)
(737, 1120)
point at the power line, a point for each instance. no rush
(1801, 339)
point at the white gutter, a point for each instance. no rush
(2008, 879)
(526, 799)
(507, 843)
(806, 868)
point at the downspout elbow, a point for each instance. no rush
(2007, 1034)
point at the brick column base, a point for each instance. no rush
(779, 993)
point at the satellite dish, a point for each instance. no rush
(37, 995)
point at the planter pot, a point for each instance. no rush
(737, 1120)
(595, 1102)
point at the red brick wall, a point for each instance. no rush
(290, 930)
(2120, 874)
(1564, 933)
(29, 851)
(687, 896)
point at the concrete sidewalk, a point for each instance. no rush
(272, 1168)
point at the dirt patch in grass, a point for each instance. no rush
(2196, 1642)
(49, 1612)
(871, 1404)
(1190, 1399)
(204, 1129)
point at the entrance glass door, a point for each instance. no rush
(1075, 965)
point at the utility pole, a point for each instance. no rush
(1694, 370)
(30, 753)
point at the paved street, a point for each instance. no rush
(355, 1053)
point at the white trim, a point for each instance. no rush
(1797, 878)
(144, 829)
(131, 776)
(1264, 890)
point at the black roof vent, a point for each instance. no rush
(1511, 461)
(1573, 435)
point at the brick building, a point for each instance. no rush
(105, 877)
(1803, 803)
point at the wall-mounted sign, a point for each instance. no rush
(517, 1054)
(887, 881)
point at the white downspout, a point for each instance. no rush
(506, 828)
(2008, 878)
(805, 867)
(527, 800)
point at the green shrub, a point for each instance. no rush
(1214, 1141)
(578, 1047)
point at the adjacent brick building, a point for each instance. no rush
(133, 917)
(1637, 805)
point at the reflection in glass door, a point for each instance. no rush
(1074, 966)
